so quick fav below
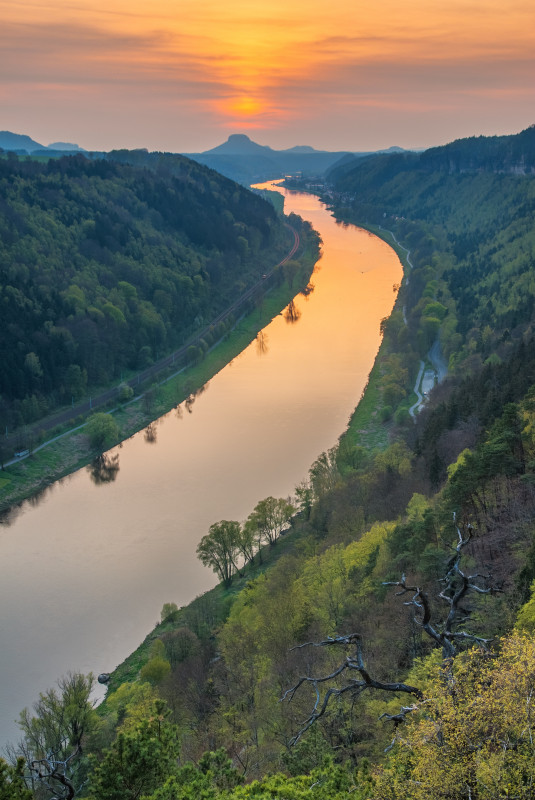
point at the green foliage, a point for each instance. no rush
(326, 783)
(12, 784)
(126, 393)
(526, 616)
(167, 610)
(270, 518)
(125, 708)
(102, 431)
(386, 413)
(157, 667)
(139, 760)
(107, 264)
(324, 473)
(60, 719)
(219, 768)
(219, 549)
(473, 733)
(228, 541)
(56, 732)
(309, 753)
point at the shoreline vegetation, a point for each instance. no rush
(31, 478)
(304, 702)
(35, 476)
(364, 426)
(67, 449)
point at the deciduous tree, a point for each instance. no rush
(219, 549)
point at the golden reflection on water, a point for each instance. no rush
(83, 576)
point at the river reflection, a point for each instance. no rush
(291, 313)
(126, 546)
(192, 397)
(262, 348)
(151, 433)
(104, 468)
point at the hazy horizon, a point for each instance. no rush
(256, 141)
(335, 78)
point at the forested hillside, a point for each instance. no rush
(106, 266)
(383, 648)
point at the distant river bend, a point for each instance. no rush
(85, 572)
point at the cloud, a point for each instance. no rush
(69, 53)
(203, 65)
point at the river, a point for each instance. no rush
(84, 572)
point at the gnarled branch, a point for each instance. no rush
(355, 686)
(458, 585)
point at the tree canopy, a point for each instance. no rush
(106, 265)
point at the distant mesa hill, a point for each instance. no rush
(238, 144)
(66, 147)
(246, 161)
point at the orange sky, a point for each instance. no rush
(182, 75)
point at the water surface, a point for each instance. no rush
(84, 573)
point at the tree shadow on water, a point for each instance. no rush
(104, 468)
(292, 313)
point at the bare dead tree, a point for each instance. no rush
(53, 735)
(55, 775)
(445, 634)
(353, 662)
(457, 586)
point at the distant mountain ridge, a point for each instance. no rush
(241, 144)
(22, 144)
(17, 141)
(512, 154)
(239, 158)
(238, 144)
(246, 161)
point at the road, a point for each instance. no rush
(437, 360)
(427, 378)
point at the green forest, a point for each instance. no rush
(108, 264)
(373, 639)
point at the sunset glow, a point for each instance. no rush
(183, 75)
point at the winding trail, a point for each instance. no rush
(426, 379)
(413, 410)
(407, 251)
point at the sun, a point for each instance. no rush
(245, 106)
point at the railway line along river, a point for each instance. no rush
(85, 571)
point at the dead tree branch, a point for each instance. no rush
(54, 775)
(444, 634)
(353, 661)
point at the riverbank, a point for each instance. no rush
(119, 538)
(369, 427)
(365, 429)
(69, 450)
